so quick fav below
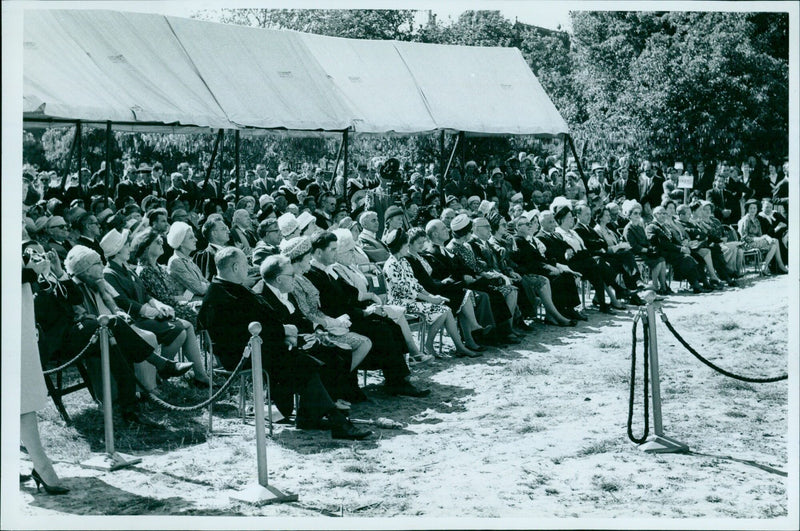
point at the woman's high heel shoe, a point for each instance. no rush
(55, 489)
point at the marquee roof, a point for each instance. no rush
(151, 71)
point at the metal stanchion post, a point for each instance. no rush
(658, 443)
(262, 492)
(111, 459)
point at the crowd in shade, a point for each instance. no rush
(337, 270)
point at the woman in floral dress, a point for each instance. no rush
(404, 289)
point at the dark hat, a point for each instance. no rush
(395, 240)
(390, 168)
(560, 211)
(391, 212)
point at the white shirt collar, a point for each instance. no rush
(283, 297)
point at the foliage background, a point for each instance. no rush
(661, 85)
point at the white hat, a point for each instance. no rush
(486, 207)
(459, 222)
(287, 224)
(473, 198)
(560, 201)
(177, 233)
(304, 219)
(113, 242)
(530, 214)
(517, 198)
(597, 166)
(79, 259)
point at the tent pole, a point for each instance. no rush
(68, 163)
(236, 146)
(345, 137)
(220, 177)
(447, 170)
(463, 151)
(79, 133)
(108, 159)
(441, 165)
(213, 157)
(578, 161)
(565, 141)
(332, 184)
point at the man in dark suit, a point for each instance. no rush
(620, 259)
(324, 214)
(89, 229)
(228, 309)
(374, 248)
(276, 289)
(337, 297)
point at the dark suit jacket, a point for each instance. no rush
(131, 293)
(92, 244)
(528, 258)
(336, 296)
(226, 312)
(663, 240)
(593, 241)
(249, 238)
(556, 247)
(446, 265)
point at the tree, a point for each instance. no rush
(351, 23)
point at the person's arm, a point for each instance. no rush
(128, 305)
(179, 271)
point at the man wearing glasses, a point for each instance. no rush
(89, 229)
(269, 238)
(57, 230)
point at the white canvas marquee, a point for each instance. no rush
(148, 69)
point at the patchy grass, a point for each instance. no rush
(529, 368)
(728, 324)
(601, 447)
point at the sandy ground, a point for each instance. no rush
(537, 431)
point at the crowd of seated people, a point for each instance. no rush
(337, 270)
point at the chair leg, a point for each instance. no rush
(55, 394)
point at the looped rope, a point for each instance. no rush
(213, 398)
(633, 379)
(92, 341)
(705, 361)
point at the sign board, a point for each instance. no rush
(686, 181)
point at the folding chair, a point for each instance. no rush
(245, 376)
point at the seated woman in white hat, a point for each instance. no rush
(181, 267)
(147, 312)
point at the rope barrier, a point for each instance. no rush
(633, 379)
(172, 407)
(92, 341)
(710, 364)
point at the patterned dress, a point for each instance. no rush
(159, 285)
(465, 252)
(306, 295)
(402, 289)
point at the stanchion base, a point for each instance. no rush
(258, 494)
(110, 462)
(661, 444)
